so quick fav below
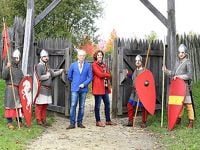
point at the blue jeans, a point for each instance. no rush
(77, 97)
(106, 101)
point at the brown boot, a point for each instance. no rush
(190, 124)
(143, 125)
(10, 126)
(178, 121)
(39, 122)
(129, 124)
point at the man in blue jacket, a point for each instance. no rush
(80, 76)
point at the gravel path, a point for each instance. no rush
(116, 137)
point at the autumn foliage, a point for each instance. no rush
(106, 46)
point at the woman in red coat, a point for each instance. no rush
(101, 88)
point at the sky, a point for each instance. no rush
(130, 18)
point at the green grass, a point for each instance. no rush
(180, 137)
(16, 139)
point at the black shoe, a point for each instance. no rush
(178, 121)
(70, 127)
(81, 126)
(45, 124)
(129, 124)
(143, 125)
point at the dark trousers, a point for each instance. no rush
(106, 101)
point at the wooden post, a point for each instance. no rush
(46, 11)
(28, 37)
(67, 93)
(121, 78)
(115, 85)
(171, 38)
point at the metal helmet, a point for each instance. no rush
(16, 54)
(138, 58)
(44, 53)
(182, 48)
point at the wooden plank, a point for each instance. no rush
(115, 79)
(27, 36)
(143, 53)
(55, 108)
(67, 84)
(171, 38)
(156, 12)
(53, 52)
(121, 78)
(46, 11)
(129, 64)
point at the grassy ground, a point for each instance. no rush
(15, 139)
(180, 137)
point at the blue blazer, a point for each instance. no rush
(77, 78)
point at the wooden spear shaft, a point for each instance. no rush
(163, 86)
(11, 78)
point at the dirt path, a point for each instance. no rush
(92, 137)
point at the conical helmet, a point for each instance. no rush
(182, 49)
(138, 58)
(44, 53)
(16, 54)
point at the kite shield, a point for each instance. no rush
(36, 85)
(25, 94)
(177, 93)
(146, 91)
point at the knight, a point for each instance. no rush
(183, 70)
(45, 76)
(12, 74)
(133, 100)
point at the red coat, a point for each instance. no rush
(99, 75)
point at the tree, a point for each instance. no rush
(110, 42)
(71, 18)
(10, 9)
(151, 37)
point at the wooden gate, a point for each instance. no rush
(124, 58)
(59, 57)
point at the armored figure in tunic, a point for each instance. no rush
(12, 101)
(183, 69)
(45, 75)
(132, 102)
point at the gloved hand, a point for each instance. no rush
(81, 85)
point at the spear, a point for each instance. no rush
(10, 68)
(163, 84)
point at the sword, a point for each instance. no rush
(190, 91)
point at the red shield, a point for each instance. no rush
(146, 91)
(177, 93)
(25, 94)
(36, 85)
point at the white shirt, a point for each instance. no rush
(79, 66)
